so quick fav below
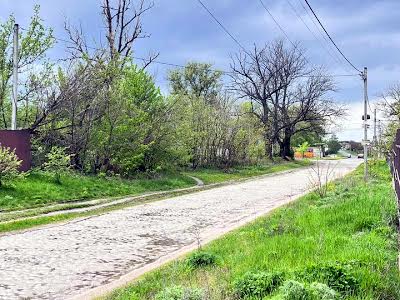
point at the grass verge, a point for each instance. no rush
(209, 176)
(342, 246)
(38, 190)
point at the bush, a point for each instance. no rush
(320, 291)
(201, 259)
(336, 276)
(9, 165)
(57, 163)
(180, 293)
(257, 284)
(294, 290)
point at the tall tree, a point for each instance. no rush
(287, 94)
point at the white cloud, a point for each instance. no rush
(351, 126)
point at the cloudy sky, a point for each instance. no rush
(367, 31)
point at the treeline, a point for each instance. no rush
(109, 116)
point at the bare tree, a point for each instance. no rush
(287, 95)
(123, 23)
(253, 75)
(391, 102)
(320, 176)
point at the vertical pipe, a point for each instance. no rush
(15, 79)
(365, 125)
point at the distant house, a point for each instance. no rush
(317, 151)
(351, 146)
(314, 151)
(346, 145)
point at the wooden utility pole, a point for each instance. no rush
(15, 79)
(365, 141)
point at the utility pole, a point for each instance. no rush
(15, 79)
(374, 139)
(364, 76)
(379, 139)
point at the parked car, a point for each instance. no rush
(360, 155)
(349, 155)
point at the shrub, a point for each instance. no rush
(257, 284)
(294, 290)
(57, 163)
(180, 293)
(336, 276)
(201, 259)
(9, 165)
(320, 291)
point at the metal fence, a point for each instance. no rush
(19, 141)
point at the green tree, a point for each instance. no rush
(303, 148)
(130, 136)
(9, 165)
(196, 79)
(57, 163)
(333, 145)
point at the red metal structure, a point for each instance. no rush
(20, 142)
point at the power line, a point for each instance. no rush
(276, 22)
(322, 34)
(334, 58)
(320, 23)
(221, 25)
(183, 66)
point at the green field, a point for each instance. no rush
(346, 240)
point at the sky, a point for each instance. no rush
(367, 32)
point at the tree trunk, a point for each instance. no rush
(285, 149)
(268, 143)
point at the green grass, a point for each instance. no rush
(38, 189)
(209, 176)
(353, 227)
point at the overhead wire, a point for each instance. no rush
(276, 22)
(221, 25)
(330, 38)
(325, 39)
(298, 15)
(183, 66)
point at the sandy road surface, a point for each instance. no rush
(67, 260)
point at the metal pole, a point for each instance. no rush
(374, 139)
(379, 139)
(365, 124)
(15, 79)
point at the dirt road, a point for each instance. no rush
(69, 260)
